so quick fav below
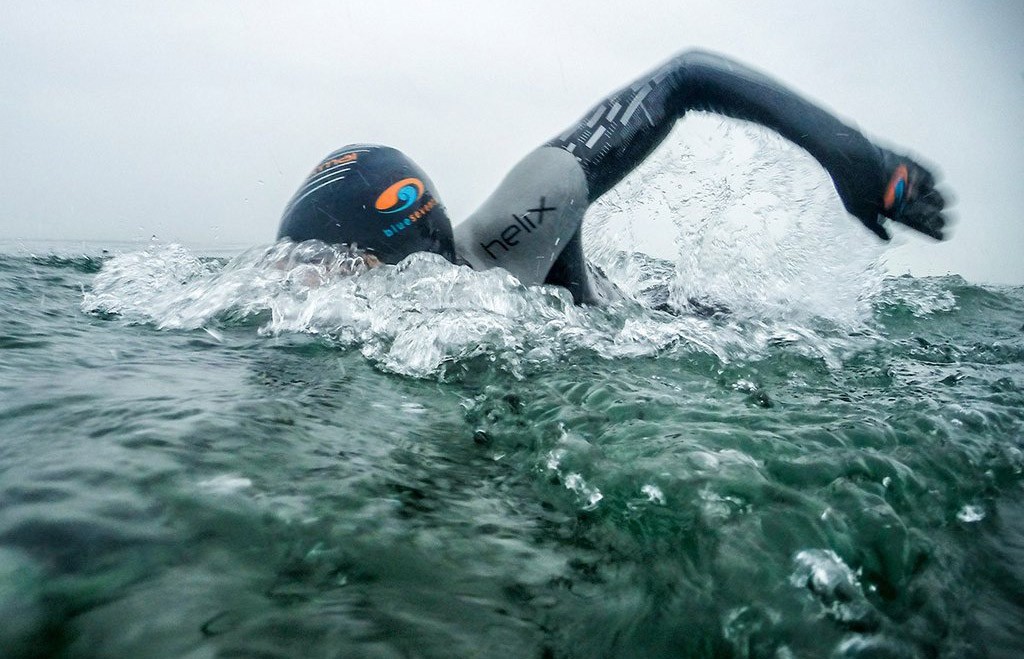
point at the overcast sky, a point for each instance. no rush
(196, 120)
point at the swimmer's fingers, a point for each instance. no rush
(875, 225)
(925, 215)
(911, 198)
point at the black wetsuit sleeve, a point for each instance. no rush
(622, 130)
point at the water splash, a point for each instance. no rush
(748, 221)
(834, 584)
(423, 315)
(759, 260)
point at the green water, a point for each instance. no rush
(231, 469)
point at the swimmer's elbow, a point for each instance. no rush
(697, 56)
(696, 66)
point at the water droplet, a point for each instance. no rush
(654, 494)
(971, 513)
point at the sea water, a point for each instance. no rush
(768, 447)
(209, 457)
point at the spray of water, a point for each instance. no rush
(753, 224)
(727, 241)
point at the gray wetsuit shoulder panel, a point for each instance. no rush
(527, 222)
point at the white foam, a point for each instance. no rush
(970, 514)
(226, 484)
(653, 493)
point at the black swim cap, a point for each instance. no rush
(372, 196)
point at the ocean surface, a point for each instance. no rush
(256, 457)
(767, 448)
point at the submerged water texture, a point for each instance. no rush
(200, 459)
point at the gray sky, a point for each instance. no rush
(196, 120)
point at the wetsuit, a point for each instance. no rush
(531, 224)
(375, 197)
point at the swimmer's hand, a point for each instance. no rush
(903, 191)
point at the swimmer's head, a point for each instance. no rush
(373, 197)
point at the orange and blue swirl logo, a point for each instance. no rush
(400, 196)
(897, 188)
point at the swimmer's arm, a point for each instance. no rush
(621, 131)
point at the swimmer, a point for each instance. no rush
(376, 198)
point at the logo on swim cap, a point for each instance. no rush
(400, 196)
